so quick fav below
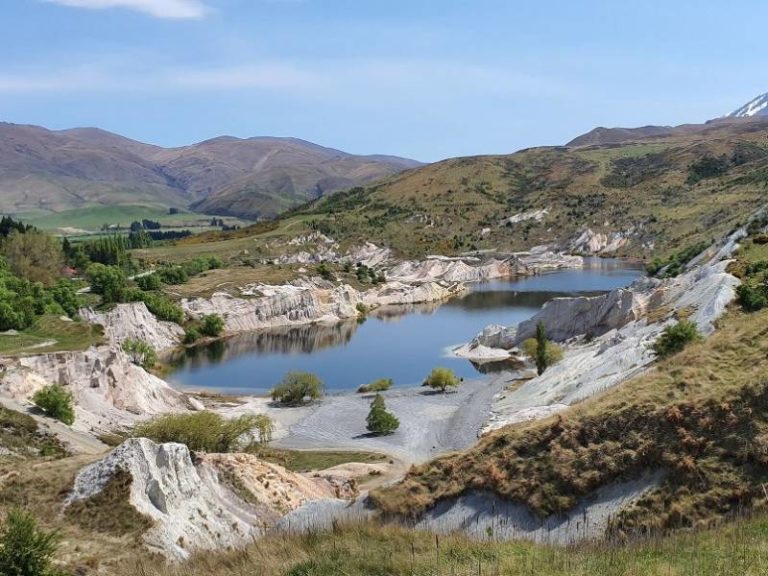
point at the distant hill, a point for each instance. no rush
(600, 136)
(44, 171)
(657, 190)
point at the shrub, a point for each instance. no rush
(752, 299)
(206, 431)
(191, 335)
(109, 281)
(140, 352)
(212, 325)
(149, 282)
(325, 272)
(65, 295)
(172, 275)
(379, 420)
(26, 549)
(380, 385)
(442, 379)
(674, 338)
(56, 402)
(297, 387)
(159, 304)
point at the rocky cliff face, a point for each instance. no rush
(307, 301)
(134, 321)
(621, 325)
(109, 390)
(215, 502)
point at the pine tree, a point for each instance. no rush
(542, 361)
(379, 420)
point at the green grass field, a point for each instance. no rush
(51, 334)
(94, 217)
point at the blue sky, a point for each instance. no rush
(418, 78)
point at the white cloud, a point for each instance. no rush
(409, 81)
(173, 9)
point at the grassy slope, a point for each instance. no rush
(737, 550)
(638, 187)
(51, 334)
(701, 417)
(642, 187)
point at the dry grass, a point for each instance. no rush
(100, 542)
(701, 417)
(371, 550)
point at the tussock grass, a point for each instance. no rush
(701, 418)
(740, 549)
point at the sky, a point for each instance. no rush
(419, 78)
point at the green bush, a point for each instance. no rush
(172, 275)
(191, 335)
(752, 298)
(26, 549)
(108, 281)
(442, 379)
(149, 282)
(207, 431)
(674, 338)
(298, 387)
(56, 402)
(379, 420)
(380, 385)
(140, 352)
(160, 305)
(212, 325)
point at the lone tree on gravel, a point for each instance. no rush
(379, 420)
(442, 379)
(298, 387)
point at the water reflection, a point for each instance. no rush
(399, 342)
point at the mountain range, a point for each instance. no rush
(44, 171)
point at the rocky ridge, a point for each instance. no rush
(608, 338)
(203, 502)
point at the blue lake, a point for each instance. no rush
(402, 343)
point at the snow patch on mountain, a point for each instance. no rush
(756, 107)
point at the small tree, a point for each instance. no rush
(34, 256)
(212, 325)
(109, 281)
(379, 420)
(541, 348)
(56, 402)
(140, 352)
(442, 379)
(674, 338)
(297, 387)
(26, 549)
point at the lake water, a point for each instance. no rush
(402, 343)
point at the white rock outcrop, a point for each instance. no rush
(213, 502)
(109, 390)
(135, 321)
(308, 301)
(623, 335)
(589, 242)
